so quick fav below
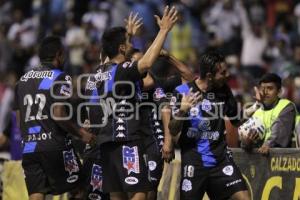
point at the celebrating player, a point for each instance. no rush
(198, 111)
(49, 162)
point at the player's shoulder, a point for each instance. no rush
(126, 64)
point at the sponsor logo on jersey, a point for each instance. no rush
(173, 101)
(204, 135)
(66, 90)
(152, 165)
(37, 74)
(158, 94)
(72, 179)
(39, 137)
(131, 159)
(131, 180)
(186, 185)
(103, 76)
(91, 85)
(70, 161)
(94, 196)
(127, 64)
(96, 178)
(233, 182)
(228, 170)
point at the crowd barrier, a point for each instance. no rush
(273, 177)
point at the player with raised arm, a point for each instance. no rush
(117, 82)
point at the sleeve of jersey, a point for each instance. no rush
(128, 71)
(62, 88)
(175, 103)
(233, 111)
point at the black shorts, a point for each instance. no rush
(124, 167)
(155, 162)
(220, 182)
(92, 176)
(52, 172)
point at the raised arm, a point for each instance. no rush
(185, 72)
(165, 23)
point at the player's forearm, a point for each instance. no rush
(67, 125)
(184, 70)
(153, 52)
(166, 115)
(175, 125)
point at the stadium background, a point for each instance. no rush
(256, 36)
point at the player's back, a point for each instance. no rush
(36, 92)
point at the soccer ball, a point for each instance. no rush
(252, 123)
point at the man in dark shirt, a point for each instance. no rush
(198, 111)
(49, 162)
(116, 86)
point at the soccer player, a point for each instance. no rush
(92, 162)
(165, 74)
(198, 110)
(116, 84)
(49, 162)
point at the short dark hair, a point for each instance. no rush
(208, 63)
(271, 78)
(49, 47)
(111, 40)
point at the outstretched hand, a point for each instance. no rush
(133, 23)
(258, 95)
(189, 100)
(168, 19)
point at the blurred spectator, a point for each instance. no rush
(278, 11)
(10, 139)
(97, 16)
(223, 20)
(5, 51)
(147, 10)
(254, 45)
(76, 40)
(180, 40)
(22, 36)
(5, 8)
(119, 11)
